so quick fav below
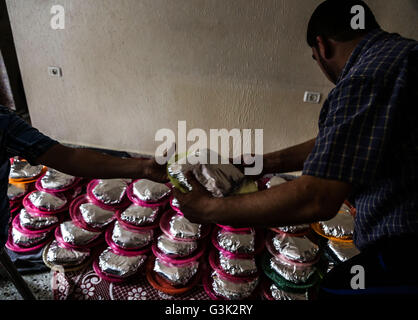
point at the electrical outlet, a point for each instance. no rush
(312, 97)
(55, 71)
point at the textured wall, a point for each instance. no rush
(131, 67)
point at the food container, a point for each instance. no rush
(53, 181)
(109, 194)
(27, 223)
(127, 241)
(115, 267)
(43, 203)
(340, 228)
(219, 179)
(24, 243)
(219, 287)
(174, 248)
(148, 193)
(56, 255)
(178, 274)
(238, 244)
(230, 267)
(72, 236)
(139, 216)
(87, 215)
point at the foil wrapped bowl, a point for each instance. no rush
(129, 239)
(55, 180)
(44, 201)
(219, 179)
(95, 216)
(176, 274)
(118, 266)
(33, 222)
(58, 255)
(71, 234)
(231, 290)
(110, 191)
(174, 248)
(21, 169)
(139, 215)
(239, 243)
(299, 249)
(150, 191)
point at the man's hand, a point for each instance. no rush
(153, 171)
(197, 205)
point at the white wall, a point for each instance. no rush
(131, 67)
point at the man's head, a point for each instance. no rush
(331, 36)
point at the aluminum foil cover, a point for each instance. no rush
(34, 222)
(294, 229)
(110, 191)
(236, 242)
(58, 255)
(279, 294)
(237, 267)
(291, 272)
(128, 239)
(343, 250)
(122, 266)
(14, 192)
(54, 179)
(233, 290)
(27, 240)
(219, 179)
(342, 225)
(150, 191)
(76, 236)
(22, 170)
(275, 181)
(177, 275)
(180, 227)
(138, 215)
(299, 249)
(172, 247)
(96, 216)
(46, 201)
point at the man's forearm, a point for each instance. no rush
(304, 200)
(91, 164)
(288, 160)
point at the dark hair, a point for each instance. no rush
(332, 20)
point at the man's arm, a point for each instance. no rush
(304, 200)
(288, 160)
(91, 164)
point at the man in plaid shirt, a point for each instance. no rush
(366, 150)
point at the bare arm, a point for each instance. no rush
(91, 164)
(288, 160)
(304, 200)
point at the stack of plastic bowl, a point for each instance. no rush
(234, 274)
(291, 263)
(76, 240)
(130, 237)
(32, 227)
(176, 264)
(336, 236)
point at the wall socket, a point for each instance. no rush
(312, 97)
(55, 71)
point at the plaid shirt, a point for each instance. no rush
(368, 136)
(17, 138)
